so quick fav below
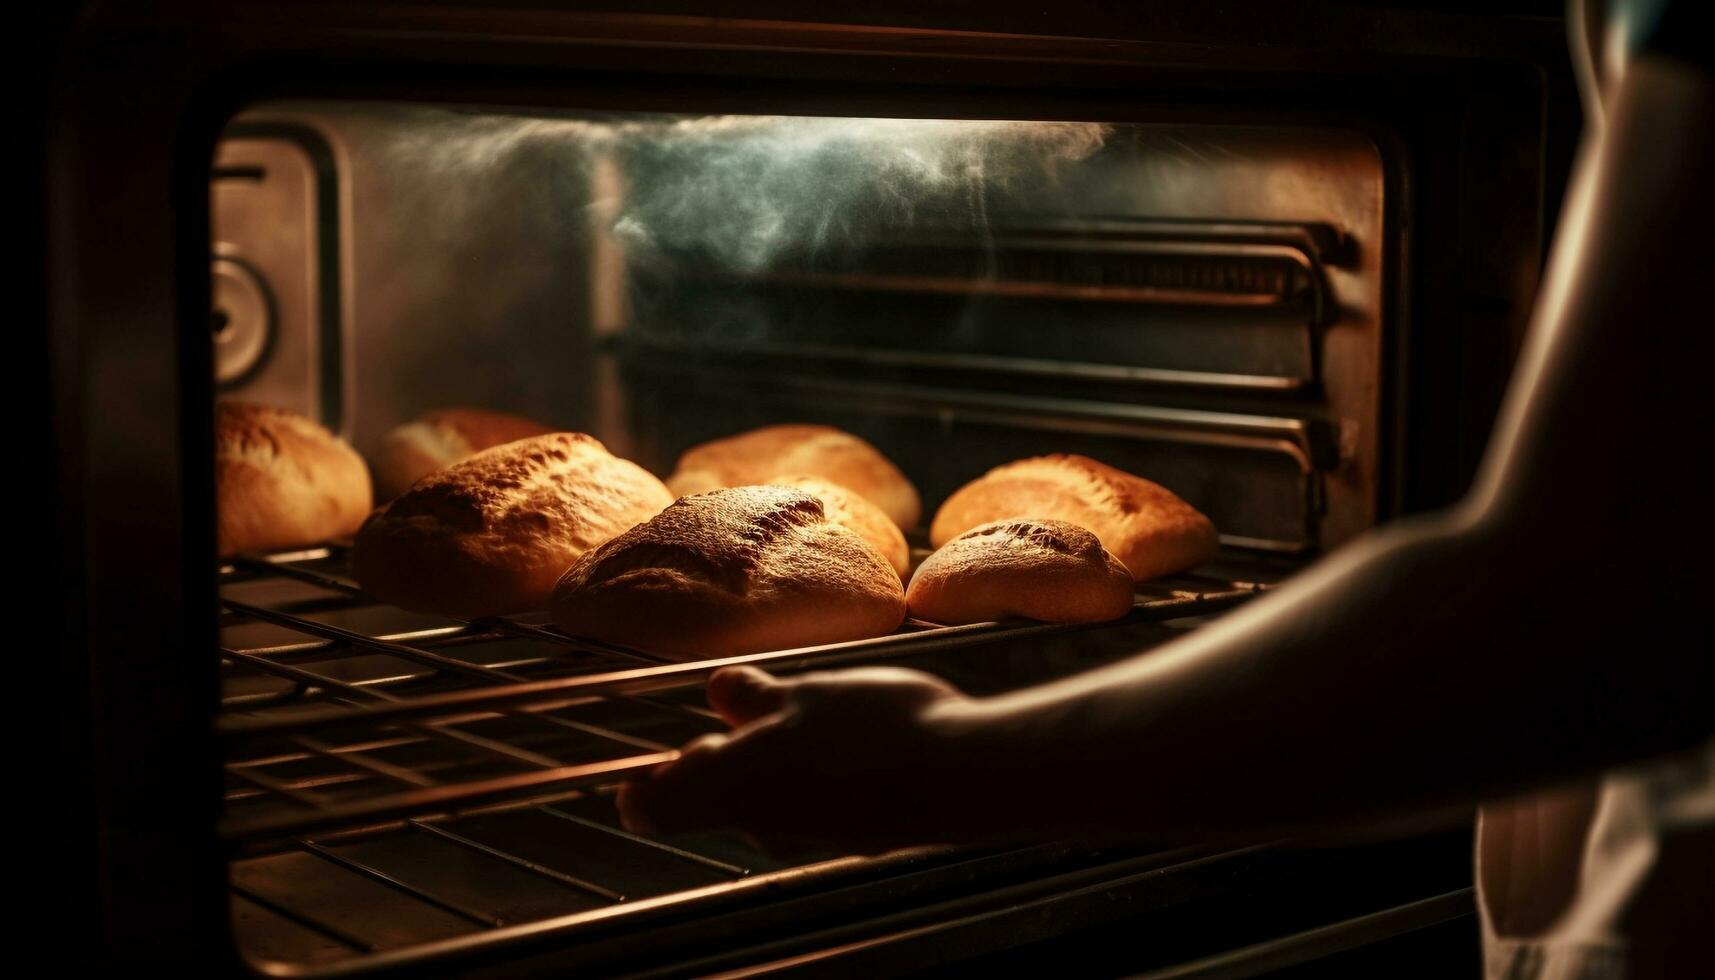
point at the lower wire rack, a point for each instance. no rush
(396, 780)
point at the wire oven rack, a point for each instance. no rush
(395, 779)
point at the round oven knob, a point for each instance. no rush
(242, 319)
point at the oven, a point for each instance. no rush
(1277, 261)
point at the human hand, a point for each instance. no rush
(866, 759)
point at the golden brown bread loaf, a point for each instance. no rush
(763, 455)
(282, 481)
(1148, 528)
(845, 507)
(438, 439)
(492, 533)
(733, 571)
(1038, 569)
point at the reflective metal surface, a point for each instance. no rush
(278, 314)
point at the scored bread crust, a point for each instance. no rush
(847, 507)
(763, 455)
(282, 481)
(1144, 524)
(491, 534)
(733, 571)
(1037, 569)
(438, 439)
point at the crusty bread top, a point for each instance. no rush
(761, 455)
(282, 480)
(745, 541)
(455, 433)
(1020, 541)
(848, 508)
(265, 436)
(722, 539)
(481, 428)
(1040, 569)
(731, 571)
(437, 439)
(1149, 528)
(562, 491)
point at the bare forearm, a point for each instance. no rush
(1424, 667)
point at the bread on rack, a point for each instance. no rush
(438, 439)
(763, 455)
(733, 571)
(282, 480)
(1036, 569)
(1148, 528)
(493, 533)
(846, 507)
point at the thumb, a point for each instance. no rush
(740, 695)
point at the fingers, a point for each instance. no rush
(716, 781)
(636, 809)
(741, 695)
(774, 768)
(693, 791)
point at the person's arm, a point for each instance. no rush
(1550, 624)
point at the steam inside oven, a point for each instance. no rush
(743, 192)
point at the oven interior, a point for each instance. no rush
(1205, 304)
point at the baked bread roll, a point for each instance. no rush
(1148, 528)
(766, 454)
(492, 533)
(436, 440)
(733, 571)
(845, 507)
(1038, 569)
(282, 481)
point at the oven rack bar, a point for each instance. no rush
(483, 918)
(799, 891)
(357, 719)
(476, 627)
(738, 886)
(671, 675)
(668, 677)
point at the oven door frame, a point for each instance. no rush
(124, 165)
